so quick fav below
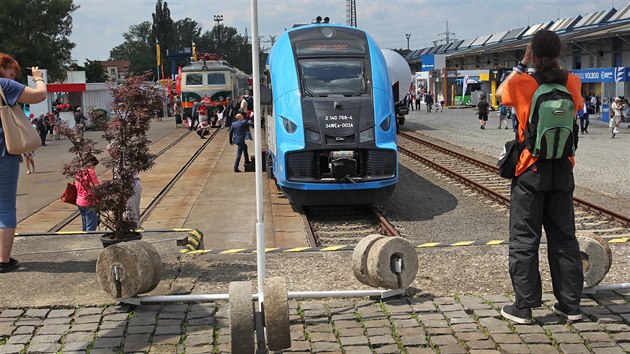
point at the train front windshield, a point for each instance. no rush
(322, 77)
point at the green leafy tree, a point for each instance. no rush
(35, 33)
(163, 27)
(138, 48)
(94, 71)
(228, 43)
(186, 31)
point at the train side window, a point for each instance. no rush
(194, 80)
(216, 79)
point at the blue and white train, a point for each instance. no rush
(331, 133)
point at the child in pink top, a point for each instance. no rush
(84, 181)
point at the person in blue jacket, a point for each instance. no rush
(13, 93)
(239, 133)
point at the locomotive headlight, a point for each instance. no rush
(366, 135)
(288, 125)
(313, 136)
(386, 123)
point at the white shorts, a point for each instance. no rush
(614, 121)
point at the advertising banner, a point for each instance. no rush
(619, 74)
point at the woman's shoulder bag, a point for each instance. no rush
(19, 135)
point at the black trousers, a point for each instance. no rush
(543, 196)
(584, 123)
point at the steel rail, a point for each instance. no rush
(158, 198)
(68, 219)
(385, 224)
(467, 181)
(623, 219)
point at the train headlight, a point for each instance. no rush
(313, 136)
(288, 125)
(386, 123)
(366, 135)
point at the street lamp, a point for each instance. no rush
(408, 35)
(218, 19)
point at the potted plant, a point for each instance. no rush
(133, 107)
(65, 113)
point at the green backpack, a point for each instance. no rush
(551, 130)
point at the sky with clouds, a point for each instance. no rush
(98, 25)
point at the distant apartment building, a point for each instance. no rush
(116, 69)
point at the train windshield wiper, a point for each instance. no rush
(309, 92)
(358, 92)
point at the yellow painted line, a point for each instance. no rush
(495, 242)
(618, 240)
(235, 250)
(462, 243)
(430, 244)
(269, 249)
(331, 248)
(193, 240)
(199, 251)
(297, 249)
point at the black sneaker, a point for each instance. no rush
(9, 266)
(571, 315)
(512, 313)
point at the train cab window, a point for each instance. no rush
(194, 79)
(325, 77)
(216, 79)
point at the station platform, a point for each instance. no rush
(54, 304)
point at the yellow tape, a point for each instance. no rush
(463, 243)
(430, 244)
(269, 249)
(297, 249)
(235, 250)
(331, 248)
(495, 242)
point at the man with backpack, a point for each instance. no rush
(542, 189)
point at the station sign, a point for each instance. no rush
(619, 74)
(433, 62)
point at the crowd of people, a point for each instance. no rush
(235, 115)
(414, 100)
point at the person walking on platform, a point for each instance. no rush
(428, 99)
(229, 112)
(542, 192)
(583, 115)
(238, 135)
(616, 108)
(194, 115)
(483, 108)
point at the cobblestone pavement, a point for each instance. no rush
(466, 324)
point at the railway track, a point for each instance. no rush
(343, 225)
(483, 178)
(157, 199)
